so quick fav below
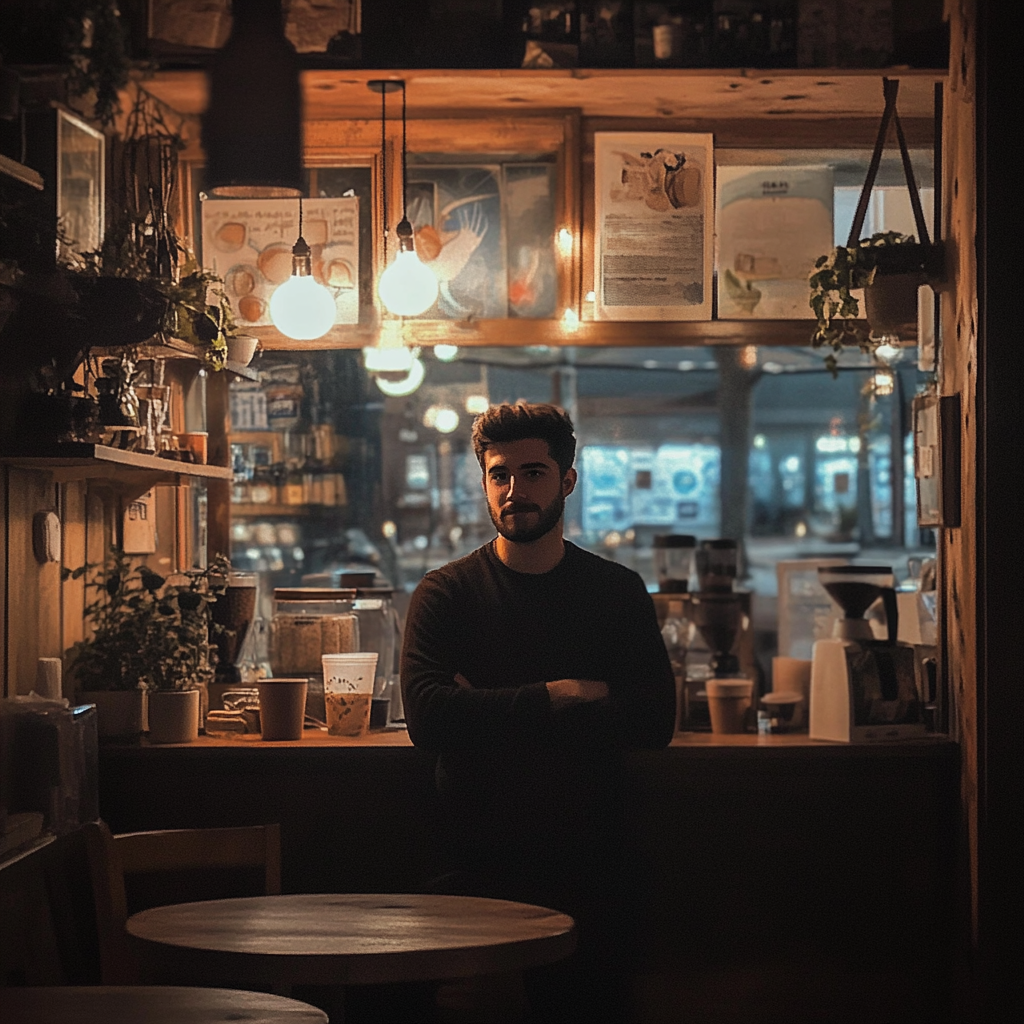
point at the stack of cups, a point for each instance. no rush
(348, 692)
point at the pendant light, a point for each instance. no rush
(406, 287)
(302, 308)
(252, 127)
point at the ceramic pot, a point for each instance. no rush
(241, 348)
(120, 714)
(173, 716)
(890, 303)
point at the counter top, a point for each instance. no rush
(685, 744)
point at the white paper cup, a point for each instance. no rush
(348, 691)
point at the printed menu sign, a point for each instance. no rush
(654, 209)
(248, 243)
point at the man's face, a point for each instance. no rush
(525, 489)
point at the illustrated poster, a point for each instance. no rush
(654, 209)
(248, 243)
(773, 223)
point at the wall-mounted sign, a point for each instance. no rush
(248, 243)
(654, 226)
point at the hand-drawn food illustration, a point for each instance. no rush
(230, 237)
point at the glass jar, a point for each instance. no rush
(717, 565)
(378, 632)
(307, 623)
(673, 562)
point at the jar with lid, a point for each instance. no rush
(378, 631)
(717, 565)
(307, 623)
(673, 561)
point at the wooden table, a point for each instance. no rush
(328, 939)
(150, 1004)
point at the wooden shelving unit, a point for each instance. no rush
(79, 460)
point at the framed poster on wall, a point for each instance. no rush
(654, 225)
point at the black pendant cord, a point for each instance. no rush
(300, 216)
(404, 176)
(384, 168)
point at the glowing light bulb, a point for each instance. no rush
(407, 287)
(446, 420)
(390, 359)
(565, 242)
(407, 385)
(301, 308)
(446, 353)
(570, 320)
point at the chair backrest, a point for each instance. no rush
(146, 855)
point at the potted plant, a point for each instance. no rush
(889, 267)
(149, 653)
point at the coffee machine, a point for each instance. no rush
(863, 689)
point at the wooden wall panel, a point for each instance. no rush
(73, 593)
(958, 376)
(32, 590)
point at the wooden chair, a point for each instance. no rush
(178, 853)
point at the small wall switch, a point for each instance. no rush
(46, 537)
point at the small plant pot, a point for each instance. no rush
(120, 714)
(891, 303)
(173, 716)
(241, 348)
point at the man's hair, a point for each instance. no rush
(524, 420)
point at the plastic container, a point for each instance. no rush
(717, 565)
(348, 691)
(673, 561)
(378, 632)
(307, 623)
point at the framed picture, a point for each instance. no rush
(654, 225)
(937, 459)
(80, 178)
(772, 224)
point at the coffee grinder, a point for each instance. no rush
(233, 612)
(719, 617)
(863, 689)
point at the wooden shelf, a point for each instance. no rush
(80, 460)
(554, 333)
(176, 348)
(20, 172)
(824, 94)
(243, 510)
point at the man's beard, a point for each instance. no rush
(549, 518)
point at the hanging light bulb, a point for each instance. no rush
(406, 287)
(407, 385)
(302, 308)
(446, 353)
(398, 359)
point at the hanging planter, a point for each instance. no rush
(890, 267)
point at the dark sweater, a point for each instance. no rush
(522, 780)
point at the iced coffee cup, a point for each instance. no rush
(348, 692)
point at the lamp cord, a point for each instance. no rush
(404, 177)
(384, 168)
(300, 216)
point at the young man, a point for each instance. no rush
(528, 666)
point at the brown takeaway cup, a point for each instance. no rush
(282, 708)
(729, 701)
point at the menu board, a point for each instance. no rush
(654, 208)
(248, 243)
(773, 223)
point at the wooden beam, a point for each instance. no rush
(830, 96)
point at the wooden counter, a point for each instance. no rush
(768, 869)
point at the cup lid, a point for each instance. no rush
(674, 540)
(855, 570)
(782, 697)
(729, 687)
(313, 594)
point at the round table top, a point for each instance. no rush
(150, 1004)
(347, 939)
